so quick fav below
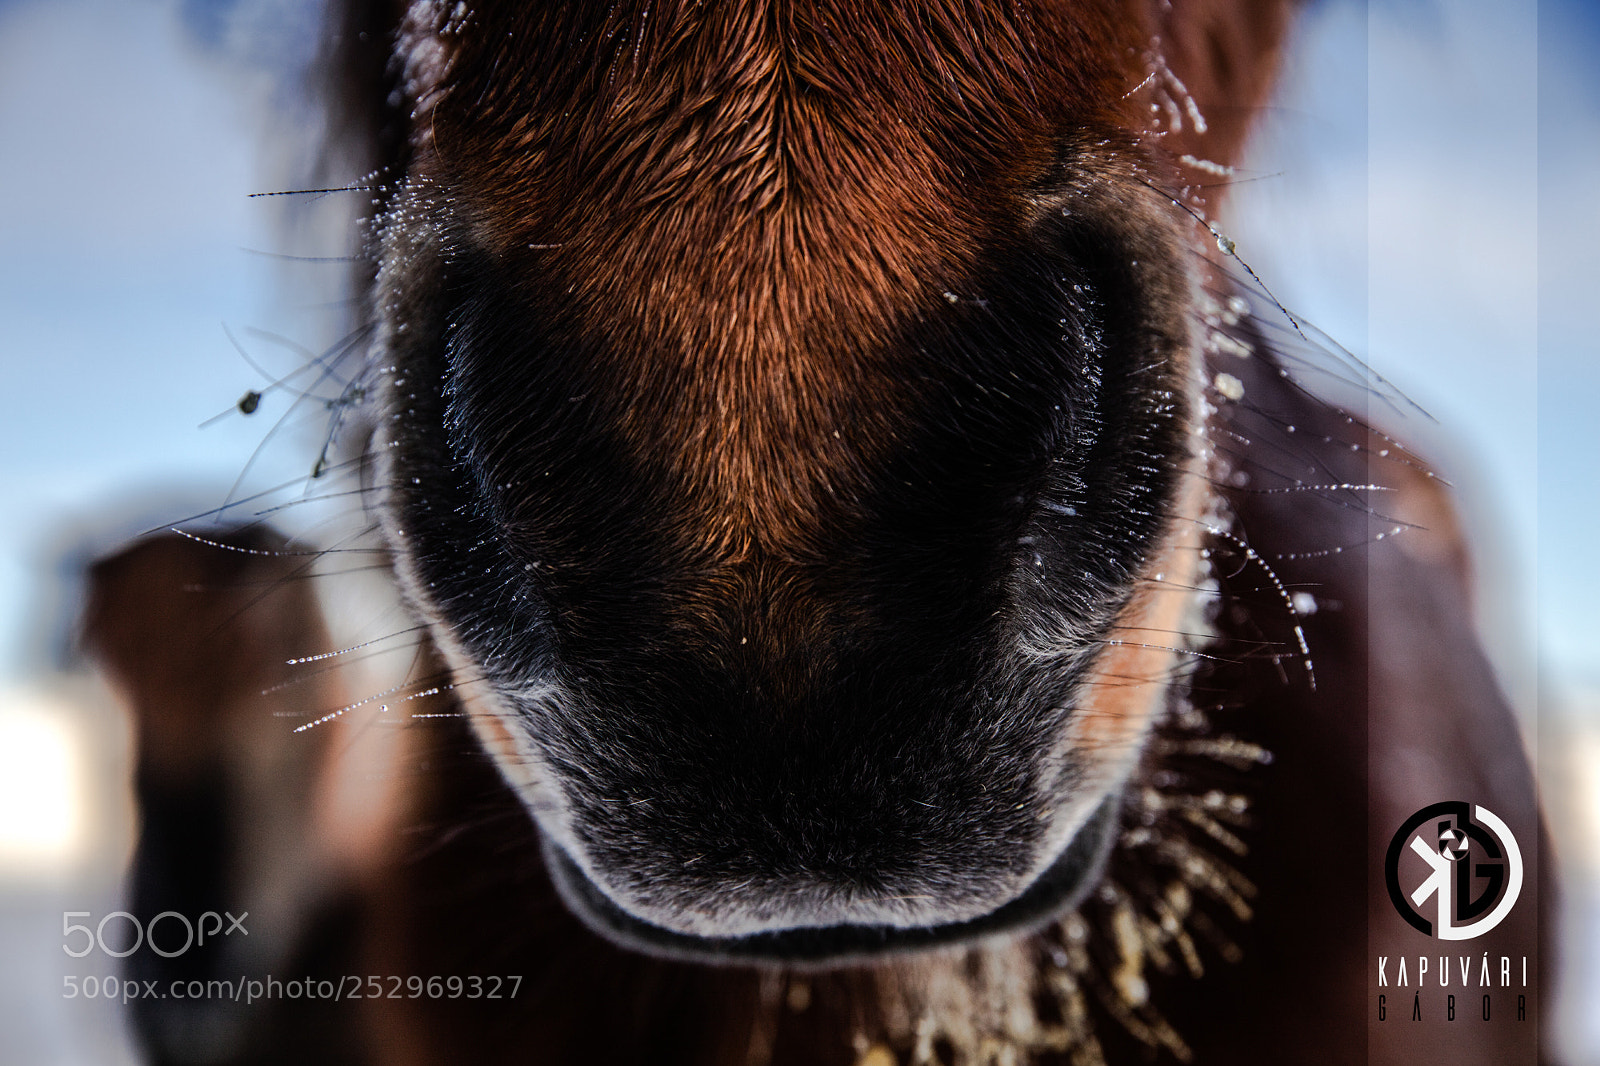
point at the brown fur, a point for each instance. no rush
(750, 201)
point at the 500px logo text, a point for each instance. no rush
(177, 933)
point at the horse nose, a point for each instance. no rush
(825, 919)
(831, 873)
(685, 905)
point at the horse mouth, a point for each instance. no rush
(1061, 887)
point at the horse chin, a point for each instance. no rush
(1056, 891)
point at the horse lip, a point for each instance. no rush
(1061, 887)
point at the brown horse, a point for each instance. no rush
(886, 600)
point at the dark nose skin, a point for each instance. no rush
(1056, 891)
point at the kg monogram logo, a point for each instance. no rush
(1471, 870)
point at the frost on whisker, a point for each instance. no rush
(354, 647)
(1163, 913)
(1221, 170)
(435, 686)
(1251, 556)
(1172, 107)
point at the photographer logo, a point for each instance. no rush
(1469, 876)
